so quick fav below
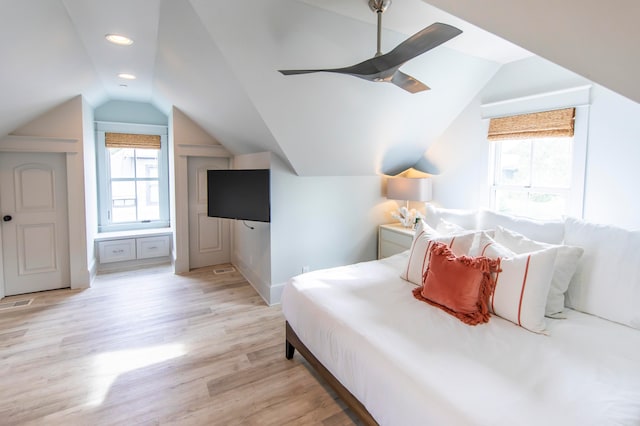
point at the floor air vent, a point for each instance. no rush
(226, 270)
(16, 304)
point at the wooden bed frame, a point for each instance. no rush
(293, 342)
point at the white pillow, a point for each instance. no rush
(483, 241)
(418, 261)
(607, 280)
(522, 286)
(446, 227)
(563, 269)
(551, 232)
(464, 218)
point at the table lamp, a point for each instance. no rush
(408, 189)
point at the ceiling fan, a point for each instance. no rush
(385, 67)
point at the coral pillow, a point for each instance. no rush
(425, 236)
(461, 286)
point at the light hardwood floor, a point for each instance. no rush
(150, 347)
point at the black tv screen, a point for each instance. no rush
(239, 194)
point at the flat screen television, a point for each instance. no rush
(239, 194)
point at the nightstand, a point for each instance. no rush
(393, 239)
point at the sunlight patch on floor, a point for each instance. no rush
(109, 365)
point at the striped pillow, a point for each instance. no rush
(458, 243)
(522, 285)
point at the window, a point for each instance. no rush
(133, 177)
(532, 177)
(537, 164)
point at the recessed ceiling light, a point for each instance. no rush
(119, 39)
(127, 76)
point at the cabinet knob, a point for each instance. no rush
(7, 218)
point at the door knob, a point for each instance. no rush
(6, 218)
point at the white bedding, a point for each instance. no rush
(410, 363)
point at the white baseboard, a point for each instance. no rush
(276, 294)
(259, 285)
(93, 270)
(132, 264)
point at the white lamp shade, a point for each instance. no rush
(409, 189)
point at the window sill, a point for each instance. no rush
(133, 233)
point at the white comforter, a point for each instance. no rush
(412, 364)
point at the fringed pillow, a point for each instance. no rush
(425, 236)
(460, 286)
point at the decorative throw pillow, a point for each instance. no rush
(418, 261)
(563, 269)
(607, 280)
(484, 240)
(460, 286)
(550, 231)
(445, 227)
(522, 285)
(463, 218)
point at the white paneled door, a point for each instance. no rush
(35, 233)
(208, 237)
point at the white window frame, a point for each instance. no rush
(577, 98)
(529, 188)
(103, 169)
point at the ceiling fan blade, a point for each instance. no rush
(384, 66)
(369, 69)
(422, 41)
(294, 72)
(408, 83)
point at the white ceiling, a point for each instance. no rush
(217, 62)
(597, 39)
(409, 16)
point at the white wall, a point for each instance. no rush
(611, 187)
(322, 222)
(251, 248)
(316, 222)
(130, 112)
(90, 184)
(460, 156)
(186, 139)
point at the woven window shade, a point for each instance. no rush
(128, 140)
(548, 124)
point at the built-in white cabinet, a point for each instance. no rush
(149, 247)
(117, 250)
(122, 249)
(393, 239)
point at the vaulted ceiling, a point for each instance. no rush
(217, 62)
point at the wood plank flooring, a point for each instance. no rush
(150, 347)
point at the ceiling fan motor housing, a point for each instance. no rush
(379, 6)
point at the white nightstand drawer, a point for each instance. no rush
(393, 239)
(397, 238)
(117, 250)
(153, 247)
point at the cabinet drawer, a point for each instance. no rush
(389, 249)
(392, 239)
(396, 238)
(152, 247)
(117, 250)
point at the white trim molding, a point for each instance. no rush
(80, 276)
(574, 97)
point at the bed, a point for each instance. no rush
(398, 361)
